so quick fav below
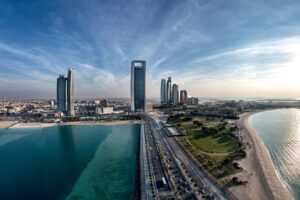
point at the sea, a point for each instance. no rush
(69, 162)
(280, 132)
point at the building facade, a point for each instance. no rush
(183, 96)
(163, 91)
(71, 111)
(138, 86)
(65, 93)
(193, 101)
(175, 95)
(61, 93)
(169, 90)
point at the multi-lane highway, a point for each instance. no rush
(173, 151)
(161, 182)
(182, 186)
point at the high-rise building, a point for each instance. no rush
(163, 91)
(183, 96)
(61, 93)
(175, 94)
(138, 86)
(193, 101)
(70, 97)
(169, 89)
(65, 93)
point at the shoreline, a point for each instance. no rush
(263, 179)
(44, 125)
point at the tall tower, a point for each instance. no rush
(169, 89)
(175, 94)
(138, 86)
(163, 91)
(70, 85)
(61, 93)
(183, 96)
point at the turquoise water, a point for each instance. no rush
(280, 133)
(68, 162)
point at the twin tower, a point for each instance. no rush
(65, 93)
(169, 94)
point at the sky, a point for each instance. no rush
(211, 48)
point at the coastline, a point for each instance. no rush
(258, 168)
(43, 125)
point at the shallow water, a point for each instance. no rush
(280, 133)
(68, 161)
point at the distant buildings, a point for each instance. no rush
(183, 97)
(104, 110)
(104, 103)
(138, 86)
(163, 92)
(169, 94)
(65, 93)
(192, 101)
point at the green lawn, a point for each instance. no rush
(215, 144)
(216, 152)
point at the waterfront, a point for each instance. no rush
(69, 162)
(280, 132)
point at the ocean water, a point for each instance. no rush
(68, 162)
(280, 133)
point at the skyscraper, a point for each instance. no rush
(70, 98)
(169, 89)
(163, 91)
(175, 94)
(65, 93)
(61, 93)
(138, 86)
(183, 96)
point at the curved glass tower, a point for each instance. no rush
(163, 91)
(138, 86)
(169, 89)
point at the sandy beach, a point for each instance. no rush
(258, 169)
(6, 124)
(42, 125)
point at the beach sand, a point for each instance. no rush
(42, 125)
(258, 168)
(6, 124)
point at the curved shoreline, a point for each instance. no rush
(274, 187)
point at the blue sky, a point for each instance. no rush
(211, 48)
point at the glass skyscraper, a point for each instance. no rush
(71, 111)
(169, 90)
(138, 86)
(61, 93)
(163, 91)
(65, 93)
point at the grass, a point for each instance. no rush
(216, 152)
(215, 144)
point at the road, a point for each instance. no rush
(179, 179)
(192, 167)
(163, 190)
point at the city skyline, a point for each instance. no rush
(213, 49)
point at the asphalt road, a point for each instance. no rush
(164, 191)
(182, 185)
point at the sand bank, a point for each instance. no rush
(6, 124)
(42, 125)
(258, 168)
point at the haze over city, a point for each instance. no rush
(211, 48)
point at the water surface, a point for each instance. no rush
(280, 133)
(68, 161)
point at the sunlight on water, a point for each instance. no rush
(280, 132)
